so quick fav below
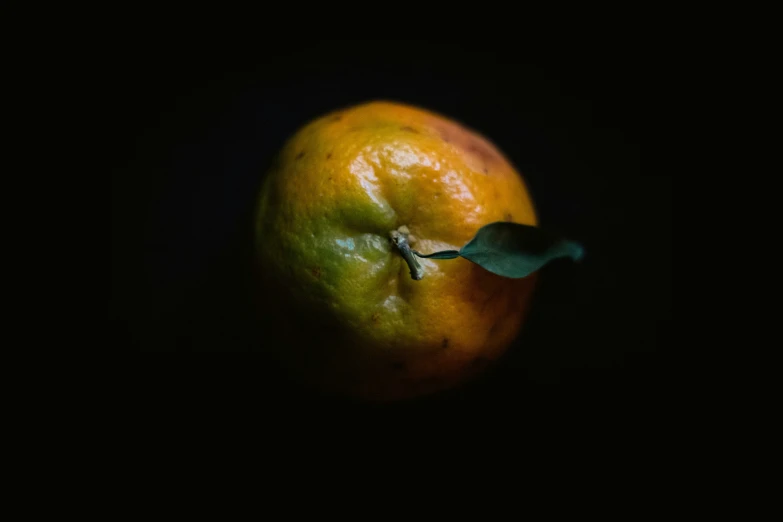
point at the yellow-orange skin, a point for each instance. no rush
(341, 184)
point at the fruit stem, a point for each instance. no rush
(400, 239)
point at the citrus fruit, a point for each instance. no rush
(353, 319)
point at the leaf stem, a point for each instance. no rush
(400, 239)
(443, 254)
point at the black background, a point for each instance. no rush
(194, 126)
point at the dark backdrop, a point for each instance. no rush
(193, 127)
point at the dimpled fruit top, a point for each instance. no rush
(362, 326)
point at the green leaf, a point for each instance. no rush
(444, 254)
(514, 250)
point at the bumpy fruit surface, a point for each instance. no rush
(354, 322)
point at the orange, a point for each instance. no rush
(359, 324)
